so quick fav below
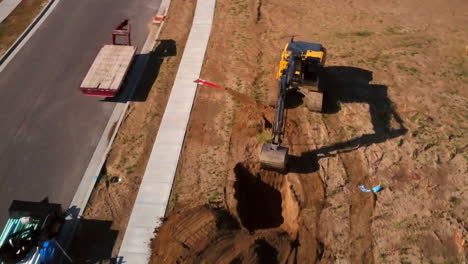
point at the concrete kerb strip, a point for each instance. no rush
(6, 7)
(83, 193)
(27, 33)
(153, 194)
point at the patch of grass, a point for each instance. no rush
(130, 170)
(230, 123)
(401, 224)
(461, 73)
(347, 54)
(238, 7)
(264, 136)
(173, 198)
(383, 256)
(363, 33)
(236, 102)
(395, 30)
(458, 66)
(410, 70)
(415, 42)
(258, 85)
(215, 197)
(410, 239)
(384, 60)
(455, 200)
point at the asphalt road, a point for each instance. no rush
(48, 130)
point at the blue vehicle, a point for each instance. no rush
(29, 233)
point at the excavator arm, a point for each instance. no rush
(274, 156)
(299, 69)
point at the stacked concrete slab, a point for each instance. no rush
(153, 195)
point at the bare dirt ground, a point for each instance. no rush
(110, 205)
(12, 27)
(396, 115)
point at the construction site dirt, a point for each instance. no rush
(395, 116)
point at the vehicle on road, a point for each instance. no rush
(30, 231)
(107, 73)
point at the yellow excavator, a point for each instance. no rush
(301, 66)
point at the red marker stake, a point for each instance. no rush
(203, 82)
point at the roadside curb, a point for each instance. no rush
(90, 177)
(27, 33)
(156, 186)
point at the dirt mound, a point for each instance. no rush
(214, 236)
(184, 233)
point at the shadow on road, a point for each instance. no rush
(343, 85)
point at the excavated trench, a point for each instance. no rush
(258, 203)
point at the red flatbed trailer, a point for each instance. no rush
(108, 71)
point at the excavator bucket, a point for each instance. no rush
(274, 157)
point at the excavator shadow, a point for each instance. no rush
(93, 242)
(293, 99)
(343, 85)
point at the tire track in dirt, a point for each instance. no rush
(307, 185)
(361, 204)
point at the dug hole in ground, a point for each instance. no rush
(395, 115)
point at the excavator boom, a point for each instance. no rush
(300, 65)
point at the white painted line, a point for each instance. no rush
(162, 164)
(6, 7)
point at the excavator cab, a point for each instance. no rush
(300, 68)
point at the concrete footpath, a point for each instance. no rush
(6, 7)
(153, 195)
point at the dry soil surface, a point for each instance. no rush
(395, 115)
